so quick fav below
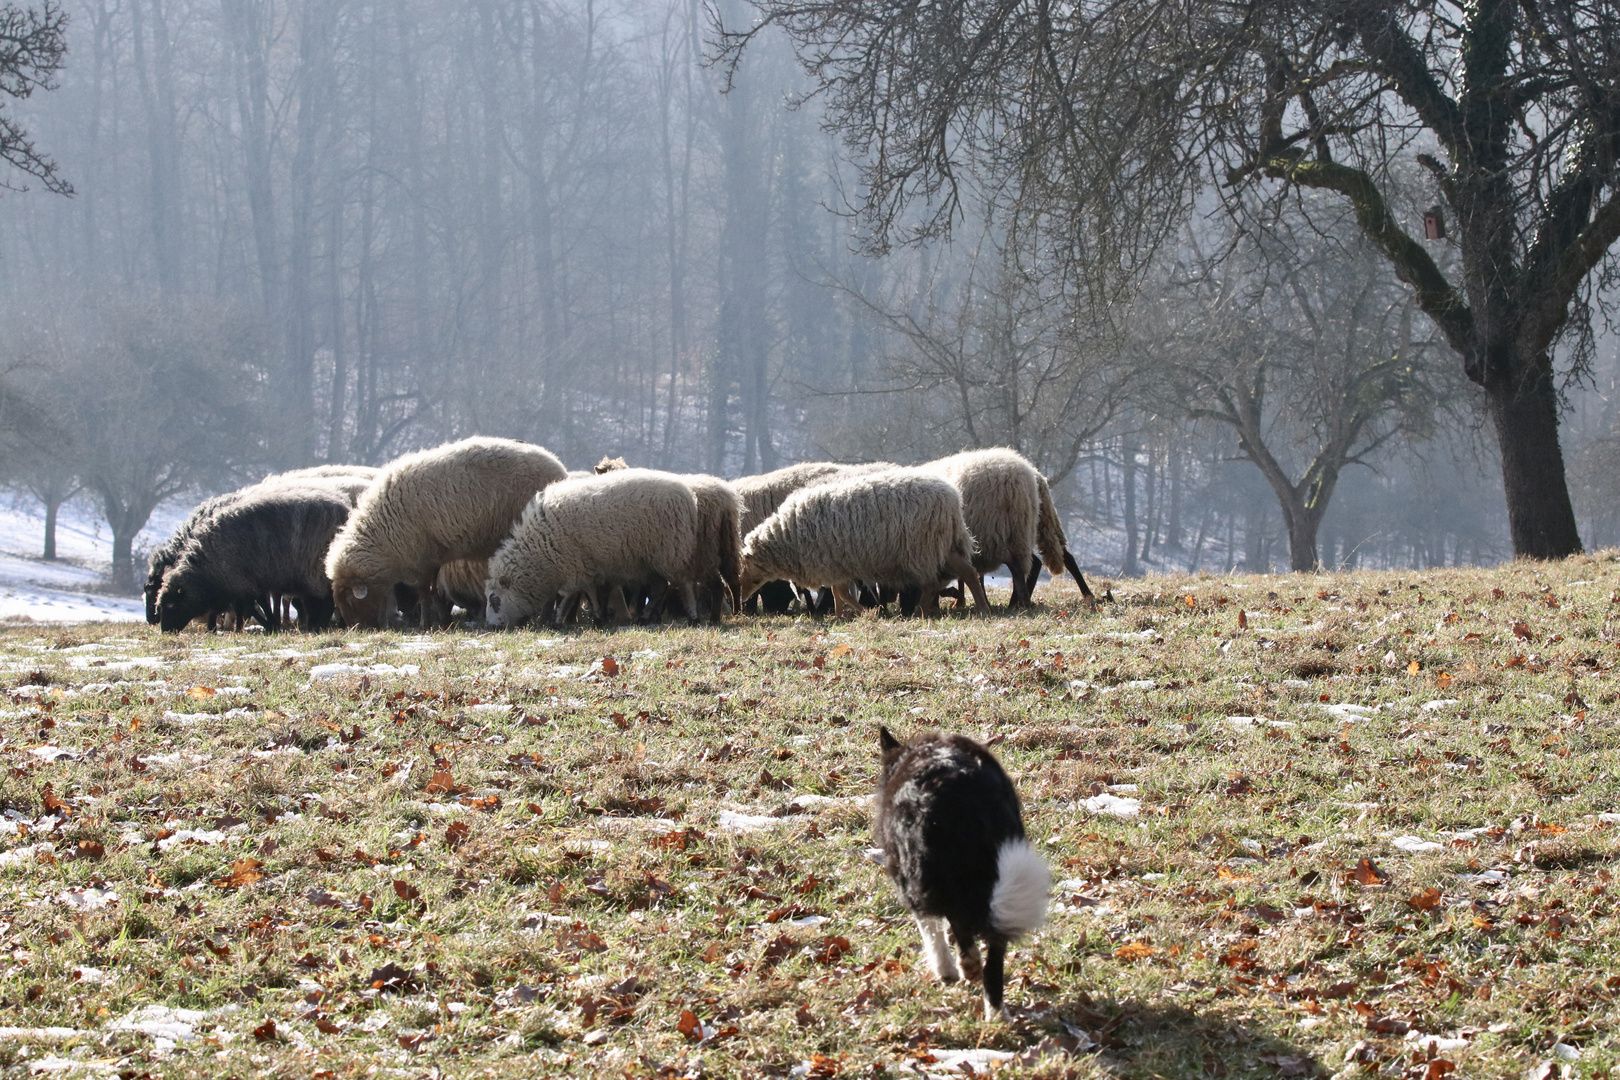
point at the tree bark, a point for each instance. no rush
(1541, 517)
(50, 530)
(1129, 568)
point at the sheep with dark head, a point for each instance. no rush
(271, 540)
(457, 501)
(899, 527)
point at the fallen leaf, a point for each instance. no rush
(243, 872)
(1413, 668)
(1427, 900)
(389, 977)
(91, 849)
(455, 834)
(202, 691)
(689, 1026)
(406, 891)
(1243, 620)
(413, 1043)
(1365, 872)
(1442, 680)
(442, 783)
(610, 666)
(840, 650)
(1522, 631)
(265, 1032)
(326, 1027)
(1136, 950)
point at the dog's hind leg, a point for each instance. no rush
(968, 949)
(994, 977)
(938, 948)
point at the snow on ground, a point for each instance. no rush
(69, 589)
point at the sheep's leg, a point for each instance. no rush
(1034, 576)
(689, 600)
(1020, 582)
(846, 601)
(928, 603)
(962, 568)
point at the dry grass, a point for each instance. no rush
(522, 858)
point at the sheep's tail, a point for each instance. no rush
(1049, 536)
(1018, 902)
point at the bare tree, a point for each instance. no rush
(1299, 345)
(1100, 123)
(33, 42)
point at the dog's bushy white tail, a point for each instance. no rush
(1018, 903)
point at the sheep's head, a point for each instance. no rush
(180, 600)
(751, 578)
(361, 602)
(504, 605)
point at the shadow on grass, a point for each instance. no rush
(1143, 1039)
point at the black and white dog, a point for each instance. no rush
(952, 835)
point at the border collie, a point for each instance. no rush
(952, 835)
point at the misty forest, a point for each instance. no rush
(246, 235)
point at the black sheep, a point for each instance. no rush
(272, 541)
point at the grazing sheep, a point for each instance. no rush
(456, 501)
(901, 527)
(762, 495)
(593, 535)
(1001, 500)
(168, 553)
(271, 540)
(717, 560)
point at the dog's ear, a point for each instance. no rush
(887, 742)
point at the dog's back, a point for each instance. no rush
(949, 822)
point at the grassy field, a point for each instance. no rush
(1362, 824)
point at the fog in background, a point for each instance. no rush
(333, 230)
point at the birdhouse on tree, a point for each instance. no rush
(1434, 224)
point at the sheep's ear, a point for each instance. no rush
(360, 590)
(887, 742)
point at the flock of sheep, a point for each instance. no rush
(502, 530)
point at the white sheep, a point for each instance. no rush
(1008, 506)
(368, 472)
(899, 527)
(594, 535)
(456, 501)
(763, 494)
(717, 559)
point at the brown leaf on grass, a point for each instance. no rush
(1427, 900)
(610, 666)
(455, 834)
(712, 953)
(1413, 668)
(1522, 631)
(202, 691)
(1365, 872)
(1240, 786)
(265, 1032)
(689, 1025)
(223, 952)
(840, 650)
(53, 805)
(831, 948)
(754, 892)
(1514, 661)
(390, 977)
(780, 948)
(326, 1027)
(243, 872)
(415, 1042)
(442, 783)
(1438, 1068)
(1243, 620)
(1136, 950)
(406, 891)
(1442, 681)
(90, 849)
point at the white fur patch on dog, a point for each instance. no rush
(1018, 903)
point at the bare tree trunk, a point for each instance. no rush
(51, 508)
(1129, 568)
(1541, 517)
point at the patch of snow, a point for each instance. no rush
(332, 671)
(735, 822)
(191, 836)
(1113, 805)
(1350, 712)
(1438, 704)
(1415, 845)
